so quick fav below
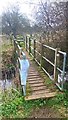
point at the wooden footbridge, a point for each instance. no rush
(36, 82)
(38, 88)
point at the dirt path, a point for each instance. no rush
(45, 112)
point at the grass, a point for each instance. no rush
(21, 44)
(5, 47)
(15, 106)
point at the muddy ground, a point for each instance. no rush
(45, 112)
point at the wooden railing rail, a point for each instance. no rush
(41, 56)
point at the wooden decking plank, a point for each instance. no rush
(33, 72)
(38, 88)
(32, 79)
(33, 97)
(33, 76)
(36, 85)
(30, 74)
(33, 82)
(41, 92)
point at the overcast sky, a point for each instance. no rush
(26, 6)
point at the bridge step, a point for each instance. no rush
(33, 74)
(34, 81)
(33, 71)
(41, 92)
(29, 77)
(33, 97)
(38, 88)
(36, 85)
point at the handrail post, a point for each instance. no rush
(55, 64)
(42, 52)
(14, 45)
(58, 58)
(34, 47)
(63, 74)
(29, 45)
(26, 43)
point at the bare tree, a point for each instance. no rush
(13, 21)
(52, 19)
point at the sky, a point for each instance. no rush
(26, 6)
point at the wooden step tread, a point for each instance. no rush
(37, 79)
(41, 92)
(35, 82)
(32, 68)
(31, 72)
(33, 76)
(36, 85)
(33, 97)
(38, 88)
